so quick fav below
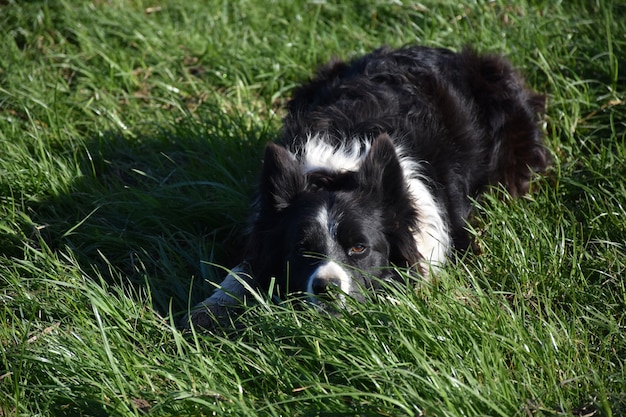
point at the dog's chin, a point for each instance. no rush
(333, 303)
(325, 305)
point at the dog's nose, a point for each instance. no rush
(322, 285)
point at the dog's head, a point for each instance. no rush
(326, 228)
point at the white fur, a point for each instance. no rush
(331, 270)
(329, 223)
(319, 154)
(322, 218)
(231, 290)
(432, 239)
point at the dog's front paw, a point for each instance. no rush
(222, 308)
(209, 315)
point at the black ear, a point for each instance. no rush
(281, 178)
(382, 174)
(381, 171)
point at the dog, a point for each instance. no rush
(375, 170)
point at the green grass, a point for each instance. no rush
(130, 140)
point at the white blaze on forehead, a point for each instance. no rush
(328, 223)
(322, 217)
(329, 270)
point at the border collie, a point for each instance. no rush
(376, 167)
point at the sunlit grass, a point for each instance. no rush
(130, 142)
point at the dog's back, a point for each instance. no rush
(468, 118)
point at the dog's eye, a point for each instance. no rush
(357, 249)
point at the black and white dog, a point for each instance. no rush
(376, 166)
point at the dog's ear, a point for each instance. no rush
(281, 178)
(381, 170)
(382, 174)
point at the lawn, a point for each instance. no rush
(131, 135)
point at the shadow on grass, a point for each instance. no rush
(157, 208)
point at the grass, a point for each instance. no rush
(130, 140)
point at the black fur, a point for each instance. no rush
(469, 116)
